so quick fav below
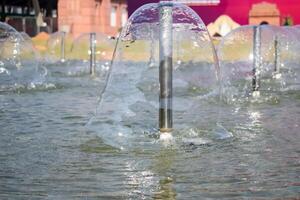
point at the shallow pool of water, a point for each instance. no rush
(46, 151)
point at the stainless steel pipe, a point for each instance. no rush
(166, 67)
(93, 54)
(256, 58)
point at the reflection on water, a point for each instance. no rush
(162, 165)
(166, 189)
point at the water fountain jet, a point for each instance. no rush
(63, 48)
(256, 60)
(141, 101)
(57, 47)
(20, 67)
(277, 55)
(254, 63)
(92, 54)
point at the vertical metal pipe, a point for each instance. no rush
(276, 55)
(165, 67)
(256, 58)
(92, 54)
(62, 47)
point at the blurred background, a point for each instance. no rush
(109, 16)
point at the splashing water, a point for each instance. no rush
(238, 53)
(129, 103)
(20, 62)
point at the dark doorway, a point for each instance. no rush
(264, 23)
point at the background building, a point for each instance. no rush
(84, 16)
(73, 16)
(264, 13)
(30, 16)
(108, 16)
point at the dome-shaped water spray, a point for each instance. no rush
(254, 62)
(58, 44)
(290, 58)
(20, 67)
(91, 53)
(163, 75)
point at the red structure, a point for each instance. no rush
(264, 13)
(238, 10)
(84, 16)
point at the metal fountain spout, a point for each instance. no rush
(92, 54)
(165, 66)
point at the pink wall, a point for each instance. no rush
(84, 16)
(238, 10)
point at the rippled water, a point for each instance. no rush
(46, 152)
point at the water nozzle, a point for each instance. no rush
(256, 58)
(93, 54)
(62, 47)
(276, 55)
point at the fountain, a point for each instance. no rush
(291, 53)
(163, 77)
(165, 67)
(58, 44)
(20, 63)
(254, 62)
(91, 53)
(160, 104)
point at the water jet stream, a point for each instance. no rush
(62, 48)
(92, 54)
(277, 55)
(256, 57)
